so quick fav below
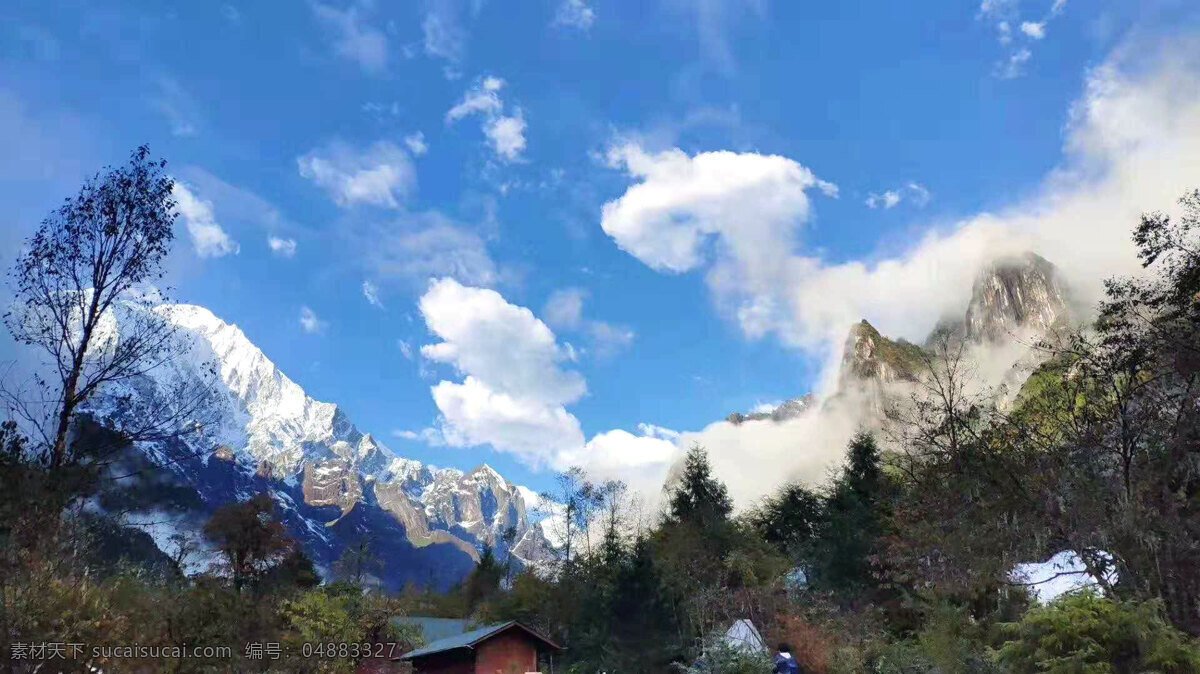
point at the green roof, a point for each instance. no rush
(434, 629)
(470, 639)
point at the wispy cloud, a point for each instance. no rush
(713, 20)
(281, 247)
(415, 142)
(406, 348)
(1034, 29)
(371, 292)
(309, 321)
(574, 14)
(379, 175)
(913, 192)
(444, 36)
(354, 38)
(564, 311)
(505, 132)
(1005, 14)
(209, 239)
(411, 248)
(1014, 67)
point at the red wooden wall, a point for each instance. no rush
(512, 652)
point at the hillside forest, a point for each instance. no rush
(899, 562)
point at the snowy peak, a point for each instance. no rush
(273, 419)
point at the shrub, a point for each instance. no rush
(1088, 633)
(812, 646)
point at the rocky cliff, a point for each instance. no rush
(1015, 301)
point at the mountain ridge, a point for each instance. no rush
(334, 482)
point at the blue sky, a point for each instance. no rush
(332, 128)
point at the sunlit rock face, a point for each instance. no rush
(1012, 296)
(869, 355)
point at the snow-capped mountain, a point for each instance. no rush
(333, 483)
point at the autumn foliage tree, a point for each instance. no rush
(250, 538)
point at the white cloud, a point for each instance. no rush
(209, 239)
(574, 14)
(1006, 14)
(637, 459)
(505, 133)
(474, 414)
(310, 322)
(1034, 29)
(913, 192)
(371, 292)
(415, 142)
(919, 194)
(380, 175)
(885, 201)
(754, 457)
(500, 343)
(482, 98)
(354, 38)
(281, 247)
(654, 431)
(238, 205)
(739, 215)
(515, 390)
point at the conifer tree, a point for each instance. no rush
(700, 499)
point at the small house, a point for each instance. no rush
(503, 648)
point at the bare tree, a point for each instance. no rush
(566, 507)
(84, 299)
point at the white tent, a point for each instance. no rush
(744, 636)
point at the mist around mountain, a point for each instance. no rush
(1015, 302)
